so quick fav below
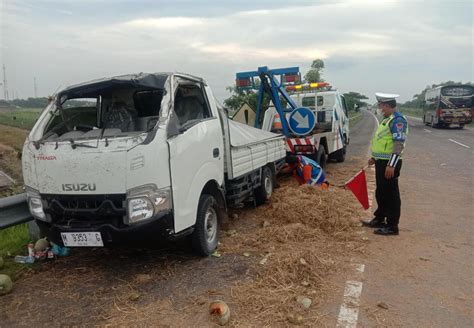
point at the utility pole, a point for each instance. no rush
(5, 88)
(36, 89)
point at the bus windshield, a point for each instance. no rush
(457, 91)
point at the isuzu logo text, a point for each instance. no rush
(78, 186)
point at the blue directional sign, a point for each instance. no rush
(302, 121)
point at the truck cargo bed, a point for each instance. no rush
(252, 148)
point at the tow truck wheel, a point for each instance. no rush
(265, 190)
(206, 230)
(321, 157)
(340, 155)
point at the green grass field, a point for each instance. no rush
(14, 241)
(23, 118)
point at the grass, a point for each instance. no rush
(13, 241)
(13, 137)
(415, 112)
(354, 117)
(11, 144)
(23, 118)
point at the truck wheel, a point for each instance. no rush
(206, 230)
(265, 190)
(321, 157)
(340, 155)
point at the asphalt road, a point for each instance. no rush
(426, 274)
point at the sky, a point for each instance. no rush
(368, 46)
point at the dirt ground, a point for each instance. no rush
(268, 256)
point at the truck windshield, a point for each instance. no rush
(106, 112)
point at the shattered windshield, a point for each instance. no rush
(111, 111)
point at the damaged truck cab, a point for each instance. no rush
(143, 156)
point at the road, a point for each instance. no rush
(425, 275)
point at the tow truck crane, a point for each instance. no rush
(300, 125)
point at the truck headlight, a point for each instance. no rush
(146, 202)
(35, 204)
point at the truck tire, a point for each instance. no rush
(265, 190)
(321, 157)
(339, 155)
(206, 230)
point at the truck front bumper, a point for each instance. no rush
(159, 228)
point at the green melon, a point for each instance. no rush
(6, 284)
(41, 244)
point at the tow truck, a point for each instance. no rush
(312, 116)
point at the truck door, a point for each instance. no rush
(196, 150)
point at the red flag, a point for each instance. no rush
(358, 186)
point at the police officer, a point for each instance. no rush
(387, 148)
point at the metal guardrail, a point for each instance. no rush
(14, 210)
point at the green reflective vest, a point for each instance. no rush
(382, 142)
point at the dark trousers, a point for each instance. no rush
(387, 194)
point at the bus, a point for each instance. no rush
(449, 105)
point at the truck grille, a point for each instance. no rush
(85, 210)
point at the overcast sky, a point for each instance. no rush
(367, 45)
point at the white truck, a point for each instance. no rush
(143, 156)
(330, 135)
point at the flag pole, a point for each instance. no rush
(362, 169)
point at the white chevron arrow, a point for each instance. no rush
(303, 121)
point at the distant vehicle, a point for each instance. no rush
(448, 105)
(143, 156)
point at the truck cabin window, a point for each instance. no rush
(308, 101)
(106, 112)
(320, 101)
(190, 105)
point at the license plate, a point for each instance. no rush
(82, 239)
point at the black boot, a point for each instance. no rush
(387, 231)
(374, 223)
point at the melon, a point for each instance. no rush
(41, 245)
(6, 284)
